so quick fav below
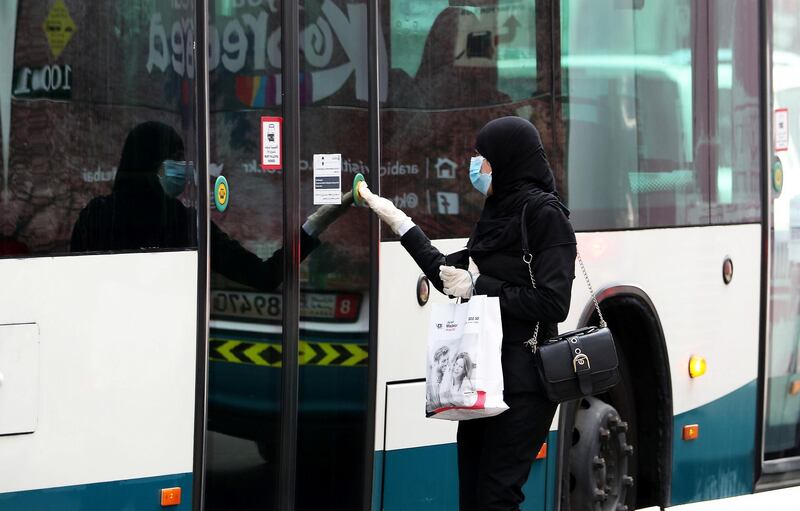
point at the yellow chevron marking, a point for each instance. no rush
(330, 353)
(254, 354)
(279, 349)
(225, 350)
(305, 352)
(359, 354)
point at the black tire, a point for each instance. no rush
(599, 478)
(621, 399)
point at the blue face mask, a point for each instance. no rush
(481, 182)
(174, 179)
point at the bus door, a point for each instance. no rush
(781, 442)
(98, 254)
(270, 175)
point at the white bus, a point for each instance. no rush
(156, 353)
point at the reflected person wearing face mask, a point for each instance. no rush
(173, 179)
(143, 212)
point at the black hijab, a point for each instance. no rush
(521, 175)
(138, 214)
(146, 147)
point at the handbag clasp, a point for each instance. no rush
(580, 360)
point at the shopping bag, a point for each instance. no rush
(464, 374)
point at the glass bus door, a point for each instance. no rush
(249, 405)
(782, 399)
(246, 259)
(334, 424)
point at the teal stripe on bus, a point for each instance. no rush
(719, 463)
(140, 494)
(426, 478)
(377, 481)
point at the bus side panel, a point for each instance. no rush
(680, 270)
(719, 463)
(117, 341)
(403, 323)
(140, 494)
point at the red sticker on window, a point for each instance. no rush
(347, 307)
(271, 141)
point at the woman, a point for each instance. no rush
(495, 454)
(461, 390)
(436, 377)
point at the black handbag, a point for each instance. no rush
(578, 363)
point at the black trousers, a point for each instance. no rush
(495, 454)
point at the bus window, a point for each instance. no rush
(628, 110)
(97, 125)
(735, 184)
(451, 69)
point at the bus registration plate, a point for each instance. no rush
(245, 305)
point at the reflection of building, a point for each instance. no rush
(446, 168)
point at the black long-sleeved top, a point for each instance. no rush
(504, 274)
(141, 217)
(231, 259)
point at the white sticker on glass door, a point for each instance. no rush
(327, 179)
(781, 129)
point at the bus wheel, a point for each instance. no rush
(598, 459)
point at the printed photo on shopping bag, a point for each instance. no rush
(451, 376)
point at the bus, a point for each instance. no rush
(185, 324)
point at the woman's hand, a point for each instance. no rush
(457, 282)
(386, 211)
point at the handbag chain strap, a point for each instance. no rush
(527, 258)
(591, 290)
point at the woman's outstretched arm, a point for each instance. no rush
(416, 243)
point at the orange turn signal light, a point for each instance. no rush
(542, 454)
(795, 388)
(697, 366)
(691, 432)
(170, 496)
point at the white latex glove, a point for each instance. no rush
(457, 282)
(473, 269)
(320, 219)
(397, 221)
